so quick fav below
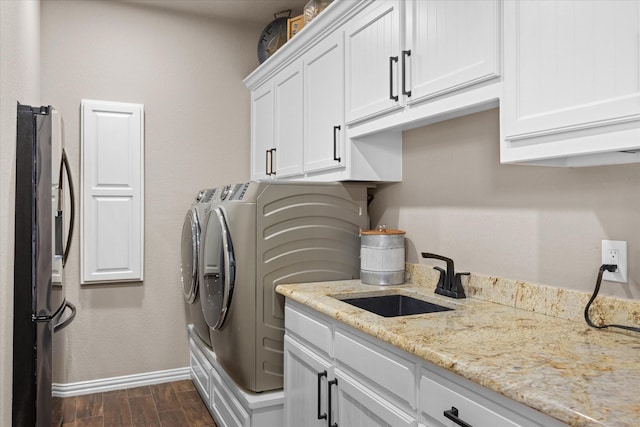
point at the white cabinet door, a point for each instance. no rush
(358, 406)
(111, 223)
(288, 120)
(305, 385)
(572, 78)
(450, 45)
(262, 120)
(324, 136)
(372, 66)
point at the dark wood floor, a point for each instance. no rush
(175, 404)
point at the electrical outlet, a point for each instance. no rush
(615, 252)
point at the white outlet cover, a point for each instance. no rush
(619, 275)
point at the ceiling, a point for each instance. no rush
(254, 11)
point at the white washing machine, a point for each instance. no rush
(258, 235)
(190, 250)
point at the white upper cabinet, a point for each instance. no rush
(276, 125)
(287, 159)
(450, 45)
(403, 53)
(298, 129)
(324, 128)
(372, 66)
(572, 82)
(262, 125)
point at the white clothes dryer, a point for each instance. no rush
(190, 249)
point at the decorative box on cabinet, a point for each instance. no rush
(572, 83)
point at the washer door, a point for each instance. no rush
(190, 249)
(217, 269)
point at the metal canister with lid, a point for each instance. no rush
(382, 256)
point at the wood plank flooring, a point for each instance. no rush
(175, 404)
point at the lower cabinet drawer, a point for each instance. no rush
(309, 329)
(435, 399)
(373, 365)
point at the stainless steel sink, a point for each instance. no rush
(395, 305)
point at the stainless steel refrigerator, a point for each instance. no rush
(41, 250)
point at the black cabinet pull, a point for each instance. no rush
(452, 414)
(320, 375)
(273, 150)
(405, 53)
(335, 143)
(268, 167)
(392, 59)
(329, 384)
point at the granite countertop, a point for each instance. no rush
(567, 370)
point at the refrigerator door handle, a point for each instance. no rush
(60, 326)
(65, 162)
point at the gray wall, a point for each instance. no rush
(537, 224)
(188, 73)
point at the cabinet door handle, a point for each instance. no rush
(273, 151)
(267, 162)
(405, 53)
(329, 384)
(320, 375)
(335, 143)
(392, 59)
(452, 414)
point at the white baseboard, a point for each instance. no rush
(119, 383)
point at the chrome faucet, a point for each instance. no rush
(449, 283)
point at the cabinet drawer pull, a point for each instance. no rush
(405, 53)
(452, 414)
(335, 143)
(329, 384)
(392, 59)
(320, 375)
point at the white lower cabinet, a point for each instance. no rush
(370, 383)
(358, 405)
(305, 385)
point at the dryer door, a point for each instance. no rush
(189, 256)
(217, 269)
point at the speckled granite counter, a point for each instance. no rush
(579, 375)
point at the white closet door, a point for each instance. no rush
(112, 228)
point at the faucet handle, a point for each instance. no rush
(442, 279)
(457, 285)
